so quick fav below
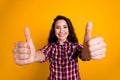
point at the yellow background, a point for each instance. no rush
(39, 15)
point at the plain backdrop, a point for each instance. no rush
(38, 15)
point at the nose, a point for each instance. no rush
(61, 30)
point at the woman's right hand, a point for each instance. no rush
(24, 52)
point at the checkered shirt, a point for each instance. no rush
(63, 60)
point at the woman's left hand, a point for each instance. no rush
(93, 47)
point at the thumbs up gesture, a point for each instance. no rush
(93, 47)
(24, 52)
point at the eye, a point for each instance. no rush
(65, 26)
(57, 27)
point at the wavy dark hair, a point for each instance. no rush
(71, 37)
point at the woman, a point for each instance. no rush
(62, 50)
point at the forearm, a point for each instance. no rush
(84, 55)
(39, 56)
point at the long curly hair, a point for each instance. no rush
(71, 37)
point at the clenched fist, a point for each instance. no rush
(93, 47)
(24, 52)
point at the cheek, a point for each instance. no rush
(68, 31)
(56, 32)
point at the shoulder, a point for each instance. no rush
(50, 45)
(77, 45)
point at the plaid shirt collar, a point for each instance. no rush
(65, 42)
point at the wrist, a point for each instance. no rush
(85, 56)
(39, 56)
(36, 59)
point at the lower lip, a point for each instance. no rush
(61, 36)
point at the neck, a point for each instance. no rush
(61, 41)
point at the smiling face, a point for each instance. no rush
(61, 30)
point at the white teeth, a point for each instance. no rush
(61, 35)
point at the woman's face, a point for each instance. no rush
(61, 30)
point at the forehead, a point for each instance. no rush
(61, 22)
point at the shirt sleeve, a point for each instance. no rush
(79, 48)
(46, 50)
(79, 51)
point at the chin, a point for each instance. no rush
(62, 39)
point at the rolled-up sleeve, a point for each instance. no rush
(79, 48)
(46, 50)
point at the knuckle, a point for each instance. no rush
(90, 49)
(104, 50)
(25, 56)
(104, 55)
(23, 50)
(17, 62)
(22, 56)
(20, 62)
(22, 44)
(28, 51)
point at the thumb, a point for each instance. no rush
(28, 37)
(88, 32)
(30, 44)
(27, 34)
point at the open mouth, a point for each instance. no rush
(61, 35)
